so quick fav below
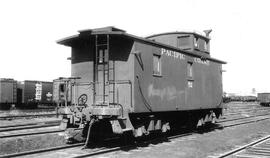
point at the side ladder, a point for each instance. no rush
(104, 72)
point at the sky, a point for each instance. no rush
(29, 30)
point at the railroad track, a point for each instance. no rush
(41, 150)
(90, 152)
(30, 133)
(10, 117)
(30, 129)
(247, 111)
(98, 151)
(242, 106)
(28, 124)
(259, 148)
(228, 123)
(242, 118)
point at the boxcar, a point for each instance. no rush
(8, 92)
(33, 93)
(59, 92)
(264, 98)
(126, 83)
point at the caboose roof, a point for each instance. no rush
(83, 34)
(182, 32)
(103, 29)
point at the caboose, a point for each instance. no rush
(122, 83)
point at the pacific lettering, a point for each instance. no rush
(173, 54)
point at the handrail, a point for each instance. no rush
(92, 83)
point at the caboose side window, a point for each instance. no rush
(103, 56)
(206, 45)
(189, 75)
(156, 65)
(195, 42)
(62, 87)
(190, 84)
(100, 57)
(189, 70)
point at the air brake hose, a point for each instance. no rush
(146, 104)
(92, 121)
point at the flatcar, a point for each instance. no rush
(124, 84)
(249, 98)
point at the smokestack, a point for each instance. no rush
(207, 32)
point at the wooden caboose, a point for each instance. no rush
(144, 84)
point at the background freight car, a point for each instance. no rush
(264, 98)
(249, 98)
(32, 93)
(59, 89)
(8, 92)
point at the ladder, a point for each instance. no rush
(104, 72)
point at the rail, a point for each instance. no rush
(237, 150)
(22, 116)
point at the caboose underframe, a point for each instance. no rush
(139, 85)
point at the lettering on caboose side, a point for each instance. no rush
(180, 56)
(173, 54)
(200, 61)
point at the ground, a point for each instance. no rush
(11, 145)
(19, 144)
(200, 145)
